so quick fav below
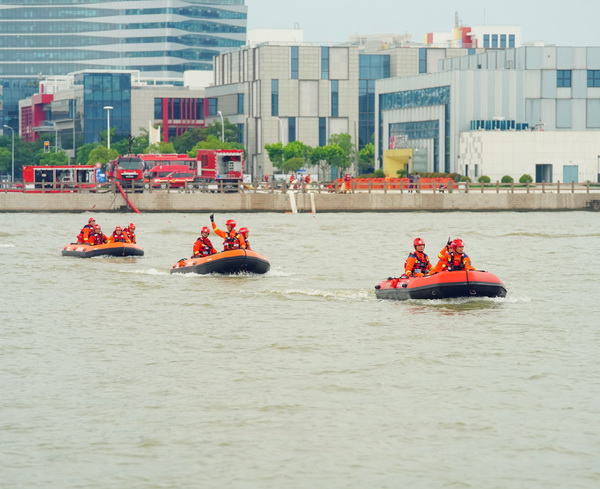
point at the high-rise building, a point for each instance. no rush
(160, 38)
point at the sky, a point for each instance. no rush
(563, 23)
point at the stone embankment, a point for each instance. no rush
(300, 202)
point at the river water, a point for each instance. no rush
(116, 374)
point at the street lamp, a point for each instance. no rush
(108, 108)
(222, 126)
(13, 152)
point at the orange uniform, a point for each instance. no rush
(203, 247)
(118, 236)
(417, 261)
(84, 234)
(233, 239)
(130, 233)
(451, 260)
(97, 238)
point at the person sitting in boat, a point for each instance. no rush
(97, 237)
(118, 236)
(203, 246)
(245, 232)
(233, 239)
(453, 258)
(86, 231)
(417, 264)
(129, 231)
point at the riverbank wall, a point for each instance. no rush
(297, 202)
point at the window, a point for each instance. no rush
(322, 131)
(486, 40)
(291, 129)
(240, 103)
(563, 78)
(275, 97)
(511, 40)
(502, 40)
(324, 63)
(335, 98)
(422, 60)
(294, 63)
(593, 78)
(494, 40)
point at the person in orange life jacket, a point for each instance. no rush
(233, 239)
(245, 232)
(203, 246)
(417, 264)
(98, 237)
(118, 236)
(84, 234)
(129, 231)
(454, 258)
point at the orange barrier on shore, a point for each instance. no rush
(396, 183)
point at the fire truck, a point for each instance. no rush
(223, 167)
(60, 177)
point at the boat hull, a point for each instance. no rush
(225, 263)
(110, 249)
(443, 285)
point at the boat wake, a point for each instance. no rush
(347, 295)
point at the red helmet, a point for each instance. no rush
(230, 222)
(91, 219)
(118, 228)
(244, 231)
(131, 225)
(205, 230)
(456, 243)
(418, 241)
(97, 227)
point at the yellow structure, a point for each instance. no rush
(397, 159)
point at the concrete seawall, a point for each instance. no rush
(281, 202)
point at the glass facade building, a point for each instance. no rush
(56, 37)
(160, 39)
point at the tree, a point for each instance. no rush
(160, 148)
(275, 154)
(321, 156)
(190, 138)
(296, 149)
(507, 179)
(344, 141)
(83, 153)
(213, 142)
(5, 160)
(525, 178)
(101, 154)
(484, 179)
(59, 158)
(293, 164)
(366, 158)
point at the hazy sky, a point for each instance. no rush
(564, 23)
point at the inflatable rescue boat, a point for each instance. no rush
(226, 263)
(443, 285)
(109, 249)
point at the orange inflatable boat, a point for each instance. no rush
(110, 249)
(226, 263)
(443, 285)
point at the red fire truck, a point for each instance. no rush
(224, 167)
(59, 177)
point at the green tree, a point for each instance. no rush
(212, 142)
(275, 154)
(323, 156)
(59, 158)
(160, 148)
(293, 164)
(366, 158)
(190, 138)
(83, 153)
(5, 160)
(296, 149)
(507, 179)
(484, 179)
(101, 154)
(525, 178)
(344, 141)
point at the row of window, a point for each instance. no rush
(60, 41)
(564, 78)
(50, 69)
(83, 55)
(499, 41)
(70, 27)
(75, 13)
